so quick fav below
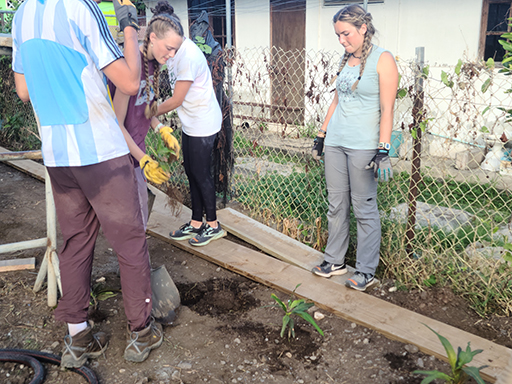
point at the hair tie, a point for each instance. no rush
(359, 78)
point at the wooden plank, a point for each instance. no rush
(388, 319)
(273, 242)
(31, 167)
(17, 264)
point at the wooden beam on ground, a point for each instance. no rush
(31, 167)
(17, 264)
(273, 242)
(392, 321)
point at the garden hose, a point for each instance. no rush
(34, 359)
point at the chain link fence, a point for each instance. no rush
(447, 213)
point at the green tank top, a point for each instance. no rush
(356, 119)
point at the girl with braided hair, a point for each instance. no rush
(357, 134)
(194, 99)
(137, 114)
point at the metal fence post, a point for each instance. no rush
(418, 116)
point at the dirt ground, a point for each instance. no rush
(226, 330)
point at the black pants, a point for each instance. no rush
(197, 159)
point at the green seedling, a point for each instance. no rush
(460, 373)
(100, 293)
(297, 307)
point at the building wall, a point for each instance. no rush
(448, 29)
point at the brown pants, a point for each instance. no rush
(86, 197)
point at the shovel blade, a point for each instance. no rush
(166, 298)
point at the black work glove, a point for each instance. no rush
(381, 165)
(318, 148)
(126, 14)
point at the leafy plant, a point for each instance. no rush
(100, 293)
(201, 43)
(297, 307)
(460, 373)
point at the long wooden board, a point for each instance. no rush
(31, 167)
(17, 264)
(388, 319)
(273, 242)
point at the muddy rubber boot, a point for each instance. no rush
(142, 342)
(84, 345)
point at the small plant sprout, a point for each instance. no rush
(460, 374)
(297, 307)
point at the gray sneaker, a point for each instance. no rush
(208, 234)
(361, 281)
(80, 347)
(186, 231)
(142, 342)
(327, 269)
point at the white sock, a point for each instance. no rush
(76, 328)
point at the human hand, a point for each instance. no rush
(126, 14)
(170, 141)
(152, 170)
(382, 170)
(318, 148)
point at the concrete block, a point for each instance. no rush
(469, 158)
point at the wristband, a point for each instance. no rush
(385, 146)
(321, 130)
(157, 128)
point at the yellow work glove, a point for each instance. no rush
(153, 171)
(170, 141)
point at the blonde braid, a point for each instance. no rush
(367, 48)
(156, 87)
(342, 64)
(147, 89)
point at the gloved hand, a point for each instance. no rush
(152, 170)
(170, 141)
(382, 170)
(318, 148)
(126, 14)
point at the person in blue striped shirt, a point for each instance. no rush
(63, 53)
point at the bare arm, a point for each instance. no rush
(125, 73)
(21, 87)
(388, 83)
(121, 107)
(330, 112)
(180, 91)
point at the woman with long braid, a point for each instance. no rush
(357, 134)
(194, 99)
(136, 114)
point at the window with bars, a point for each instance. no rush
(217, 17)
(495, 14)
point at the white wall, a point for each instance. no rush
(252, 23)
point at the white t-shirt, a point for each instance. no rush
(200, 113)
(61, 46)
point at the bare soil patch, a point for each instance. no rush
(226, 331)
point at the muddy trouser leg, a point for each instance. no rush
(197, 159)
(142, 187)
(338, 215)
(111, 189)
(364, 204)
(79, 227)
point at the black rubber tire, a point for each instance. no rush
(44, 357)
(39, 371)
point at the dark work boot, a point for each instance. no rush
(84, 345)
(142, 342)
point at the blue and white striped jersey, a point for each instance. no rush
(61, 46)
